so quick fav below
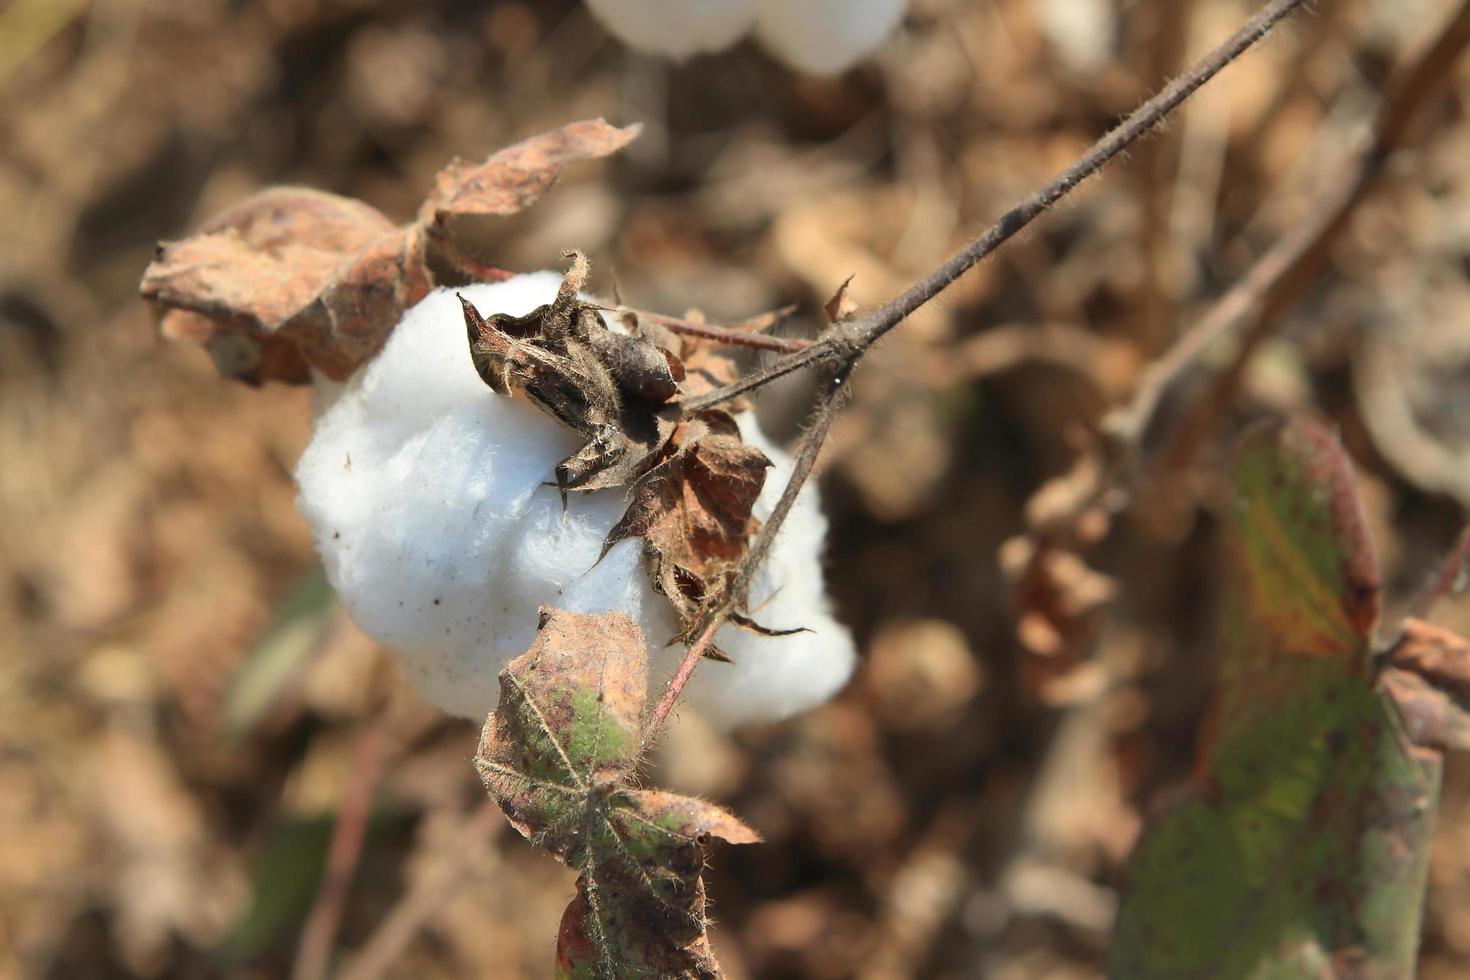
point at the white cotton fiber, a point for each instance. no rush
(675, 28)
(424, 492)
(824, 37)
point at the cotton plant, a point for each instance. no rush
(515, 487)
(820, 37)
(432, 502)
(502, 465)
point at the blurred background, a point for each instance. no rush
(184, 710)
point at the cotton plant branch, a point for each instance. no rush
(1136, 450)
(843, 345)
(846, 342)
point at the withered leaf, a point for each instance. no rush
(692, 482)
(694, 508)
(558, 755)
(293, 279)
(706, 368)
(288, 279)
(613, 389)
(1428, 677)
(459, 240)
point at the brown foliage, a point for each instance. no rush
(292, 280)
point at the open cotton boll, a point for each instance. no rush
(424, 491)
(824, 37)
(675, 28)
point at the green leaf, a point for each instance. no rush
(558, 756)
(1301, 850)
(285, 878)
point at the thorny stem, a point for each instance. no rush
(846, 342)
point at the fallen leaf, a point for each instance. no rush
(559, 755)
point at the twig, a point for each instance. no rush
(1276, 280)
(320, 932)
(675, 686)
(415, 908)
(845, 342)
(1449, 578)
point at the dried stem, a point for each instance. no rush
(675, 686)
(1449, 578)
(320, 932)
(845, 342)
(1277, 279)
(728, 336)
(408, 916)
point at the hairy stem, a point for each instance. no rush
(842, 346)
(846, 342)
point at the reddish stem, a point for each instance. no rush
(320, 932)
(729, 336)
(675, 686)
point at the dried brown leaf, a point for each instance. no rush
(694, 508)
(294, 279)
(288, 279)
(453, 218)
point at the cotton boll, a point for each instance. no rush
(425, 494)
(675, 28)
(824, 37)
(1083, 31)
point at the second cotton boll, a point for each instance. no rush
(676, 29)
(424, 490)
(821, 37)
